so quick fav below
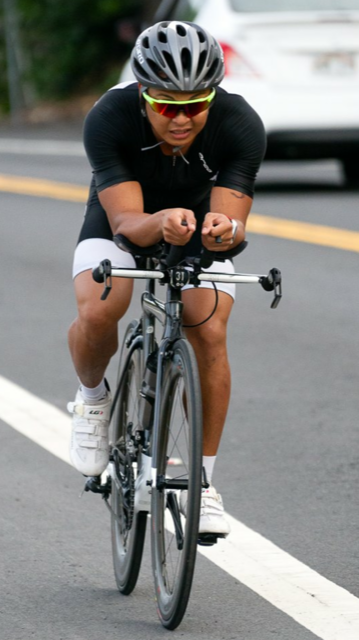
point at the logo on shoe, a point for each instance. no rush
(96, 413)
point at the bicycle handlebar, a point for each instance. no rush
(178, 276)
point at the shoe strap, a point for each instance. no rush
(89, 411)
(89, 444)
(91, 429)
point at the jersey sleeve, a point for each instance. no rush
(104, 141)
(244, 143)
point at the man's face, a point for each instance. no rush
(180, 130)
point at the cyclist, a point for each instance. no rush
(169, 148)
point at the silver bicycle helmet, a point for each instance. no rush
(180, 56)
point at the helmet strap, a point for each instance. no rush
(143, 108)
(143, 102)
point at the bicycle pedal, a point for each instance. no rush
(93, 483)
(209, 539)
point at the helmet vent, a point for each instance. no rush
(212, 71)
(146, 43)
(201, 61)
(155, 69)
(162, 37)
(159, 57)
(170, 62)
(181, 31)
(186, 60)
(139, 70)
(201, 37)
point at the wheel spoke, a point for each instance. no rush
(127, 527)
(181, 430)
(180, 436)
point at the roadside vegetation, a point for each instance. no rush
(55, 51)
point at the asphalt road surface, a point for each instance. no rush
(289, 460)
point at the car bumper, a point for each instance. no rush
(301, 144)
(304, 122)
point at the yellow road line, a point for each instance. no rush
(263, 225)
(43, 188)
(304, 232)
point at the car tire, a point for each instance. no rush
(351, 172)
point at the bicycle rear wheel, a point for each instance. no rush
(179, 467)
(128, 528)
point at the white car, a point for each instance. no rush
(297, 63)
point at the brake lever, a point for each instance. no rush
(102, 273)
(273, 282)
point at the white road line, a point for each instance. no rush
(322, 607)
(36, 419)
(41, 147)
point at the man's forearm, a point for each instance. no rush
(142, 229)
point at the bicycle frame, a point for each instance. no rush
(169, 314)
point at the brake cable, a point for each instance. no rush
(191, 326)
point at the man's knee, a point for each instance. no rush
(95, 313)
(199, 305)
(94, 320)
(211, 335)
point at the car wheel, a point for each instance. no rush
(351, 172)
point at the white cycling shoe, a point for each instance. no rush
(89, 447)
(212, 519)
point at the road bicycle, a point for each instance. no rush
(156, 426)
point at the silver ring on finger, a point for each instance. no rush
(218, 239)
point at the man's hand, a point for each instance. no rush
(217, 232)
(178, 226)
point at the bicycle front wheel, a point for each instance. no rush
(128, 528)
(176, 496)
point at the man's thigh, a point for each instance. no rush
(199, 305)
(88, 255)
(88, 297)
(199, 302)
(218, 267)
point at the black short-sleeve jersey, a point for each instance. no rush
(121, 147)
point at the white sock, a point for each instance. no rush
(94, 394)
(208, 463)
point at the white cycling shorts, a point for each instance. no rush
(89, 253)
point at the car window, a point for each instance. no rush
(253, 6)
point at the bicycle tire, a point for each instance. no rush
(178, 456)
(128, 529)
